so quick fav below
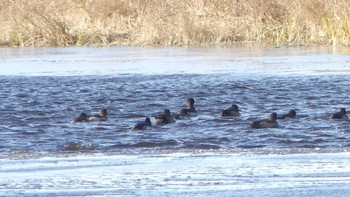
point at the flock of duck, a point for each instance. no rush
(167, 118)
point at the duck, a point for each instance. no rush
(165, 118)
(99, 117)
(190, 105)
(341, 115)
(142, 125)
(231, 111)
(82, 118)
(291, 114)
(182, 115)
(266, 123)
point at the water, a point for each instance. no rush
(37, 110)
(43, 90)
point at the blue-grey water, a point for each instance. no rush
(36, 112)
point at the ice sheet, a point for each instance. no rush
(179, 174)
(129, 60)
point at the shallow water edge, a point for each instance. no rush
(195, 174)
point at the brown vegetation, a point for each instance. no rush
(173, 22)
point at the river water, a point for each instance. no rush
(43, 90)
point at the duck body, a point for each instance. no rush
(165, 118)
(341, 115)
(231, 111)
(98, 117)
(82, 118)
(266, 123)
(291, 114)
(142, 125)
(182, 115)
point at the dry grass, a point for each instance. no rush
(173, 22)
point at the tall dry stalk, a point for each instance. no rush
(173, 22)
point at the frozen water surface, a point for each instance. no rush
(179, 174)
(114, 61)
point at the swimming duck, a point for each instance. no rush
(142, 125)
(165, 118)
(99, 117)
(291, 114)
(82, 118)
(266, 123)
(231, 111)
(341, 115)
(190, 105)
(183, 114)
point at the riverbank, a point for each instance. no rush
(173, 23)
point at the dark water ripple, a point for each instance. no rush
(36, 112)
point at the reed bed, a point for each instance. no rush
(173, 22)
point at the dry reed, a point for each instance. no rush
(173, 22)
